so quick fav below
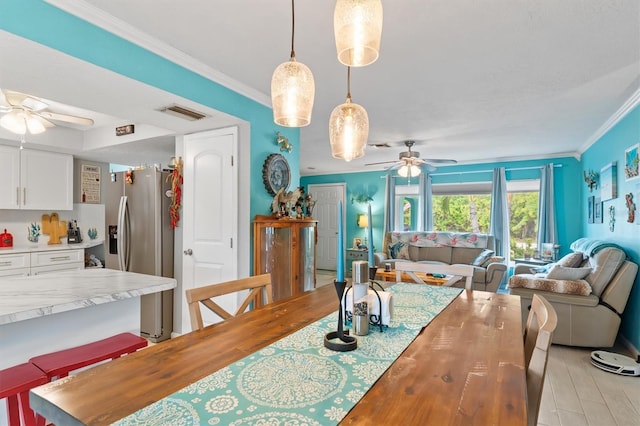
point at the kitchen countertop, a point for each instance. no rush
(45, 247)
(23, 298)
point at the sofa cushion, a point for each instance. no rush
(561, 273)
(482, 257)
(450, 239)
(578, 287)
(464, 255)
(572, 260)
(399, 250)
(605, 263)
(438, 254)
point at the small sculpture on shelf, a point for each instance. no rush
(284, 201)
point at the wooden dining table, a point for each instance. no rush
(465, 367)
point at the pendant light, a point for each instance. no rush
(348, 128)
(292, 89)
(357, 25)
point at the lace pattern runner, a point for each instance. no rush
(296, 380)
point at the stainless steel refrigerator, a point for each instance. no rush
(140, 239)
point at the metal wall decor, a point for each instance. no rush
(276, 174)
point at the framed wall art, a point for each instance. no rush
(597, 211)
(590, 211)
(632, 162)
(608, 181)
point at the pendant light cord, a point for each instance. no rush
(293, 28)
(348, 83)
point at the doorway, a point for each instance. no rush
(327, 197)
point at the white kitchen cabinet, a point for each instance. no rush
(35, 180)
(40, 262)
(14, 264)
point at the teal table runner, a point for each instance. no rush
(296, 380)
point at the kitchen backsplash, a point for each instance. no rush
(18, 223)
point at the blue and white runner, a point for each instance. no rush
(296, 380)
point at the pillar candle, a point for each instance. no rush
(340, 253)
(370, 236)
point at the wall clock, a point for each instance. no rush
(276, 174)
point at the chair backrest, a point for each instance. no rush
(409, 268)
(538, 333)
(256, 285)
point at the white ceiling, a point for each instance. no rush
(472, 81)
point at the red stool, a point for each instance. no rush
(15, 383)
(61, 363)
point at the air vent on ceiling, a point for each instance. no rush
(182, 112)
(380, 145)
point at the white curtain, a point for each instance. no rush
(425, 222)
(499, 227)
(390, 202)
(547, 231)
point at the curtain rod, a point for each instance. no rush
(510, 169)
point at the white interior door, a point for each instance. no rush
(326, 213)
(209, 217)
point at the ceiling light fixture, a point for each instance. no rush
(357, 25)
(348, 128)
(409, 170)
(19, 121)
(292, 89)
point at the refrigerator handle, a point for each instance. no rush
(127, 235)
(121, 236)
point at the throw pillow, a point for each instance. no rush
(394, 250)
(493, 259)
(561, 273)
(572, 260)
(579, 287)
(482, 257)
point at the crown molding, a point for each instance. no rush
(120, 28)
(625, 109)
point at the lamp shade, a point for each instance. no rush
(411, 171)
(363, 220)
(348, 131)
(357, 25)
(292, 94)
(14, 122)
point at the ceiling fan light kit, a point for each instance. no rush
(292, 89)
(357, 25)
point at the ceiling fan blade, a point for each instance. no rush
(44, 121)
(381, 162)
(66, 118)
(439, 161)
(4, 103)
(33, 104)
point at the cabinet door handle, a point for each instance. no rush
(24, 196)
(5, 263)
(60, 258)
(17, 195)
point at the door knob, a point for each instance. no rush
(188, 252)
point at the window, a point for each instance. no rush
(523, 216)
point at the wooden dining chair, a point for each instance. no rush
(257, 285)
(541, 323)
(409, 268)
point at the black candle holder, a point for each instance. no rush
(344, 342)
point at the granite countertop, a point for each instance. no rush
(45, 247)
(23, 298)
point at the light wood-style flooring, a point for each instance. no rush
(575, 392)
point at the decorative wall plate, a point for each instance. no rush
(276, 174)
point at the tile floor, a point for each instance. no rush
(575, 392)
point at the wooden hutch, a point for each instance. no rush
(286, 248)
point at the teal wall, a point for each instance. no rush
(608, 148)
(40, 22)
(567, 188)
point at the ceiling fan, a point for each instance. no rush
(410, 164)
(24, 113)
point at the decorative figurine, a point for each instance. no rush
(631, 206)
(284, 143)
(591, 179)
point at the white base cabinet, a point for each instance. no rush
(40, 262)
(35, 180)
